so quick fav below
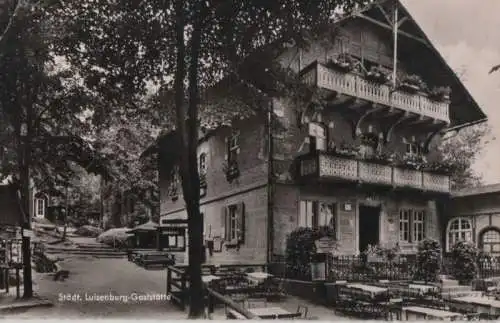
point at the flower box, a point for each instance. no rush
(232, 171)
(375, 74)
(439, 94)
(342, 62)
(411, 88)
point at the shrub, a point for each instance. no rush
(463, 259)
(300, 247)
(428, 261)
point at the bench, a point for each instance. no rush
(61, 273)
(147, 261)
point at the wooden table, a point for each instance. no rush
(412, 313)
(258, 277)
(366, 290)
(482, 304)
(269, 312)
(209, 278)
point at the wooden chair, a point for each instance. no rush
(303, 310)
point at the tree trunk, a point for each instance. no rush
(195, 223)
(25, 196)
(187, 135)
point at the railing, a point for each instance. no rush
(213, 296)
(486, 267)
(177, 286)
(328, 166)
(356, 268)
(355, 85)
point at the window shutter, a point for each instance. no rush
(312, 144)
(330, 136)
(223, 223)
(241, 222)
(226, 148)
(424, 225)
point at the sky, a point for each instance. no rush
(466, 32)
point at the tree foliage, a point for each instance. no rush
(461, 151)
(184, 47)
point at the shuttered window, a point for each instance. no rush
(233, 223)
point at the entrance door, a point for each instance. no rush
(369, 226)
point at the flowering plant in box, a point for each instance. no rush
(376, 74)
(344, 62)
(411, 161)
(440, 93)
(412, 83)
(443, 167)
(346, 150)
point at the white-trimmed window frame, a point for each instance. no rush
(40, 207)
(412, 222)
(462, 231)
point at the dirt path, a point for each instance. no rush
(93, 277)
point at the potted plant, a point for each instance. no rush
(440, 93)
(412, 83)
(381, 158)
(428, 261)
(464, 261)
(368, 143)
(346, 150)
(343, 62)
(443, 167)
(376, 74)
(411, 161)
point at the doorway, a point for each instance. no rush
(369, 226)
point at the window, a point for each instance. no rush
(202, 163)
(404, 225)
(418, 225)
(40, 207)
(317, 136)
(411, 225)
(413, 149)
(233, 223)
(308, 214)
(313, 214)
(459, 229)
(327, 215)
(174, 182)
(490, 241)
(233, 146)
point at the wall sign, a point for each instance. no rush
(347, 207)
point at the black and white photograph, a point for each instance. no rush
(329, 160)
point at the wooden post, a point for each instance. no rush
(18, 285)
(395, 56)
(169, 280)
(184, 292)
(7, 281)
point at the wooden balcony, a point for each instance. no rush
(329, 167)
(355, 85)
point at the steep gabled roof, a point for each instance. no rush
(464, 109)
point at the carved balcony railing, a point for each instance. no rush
(331, 167)
(357, 86)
